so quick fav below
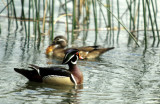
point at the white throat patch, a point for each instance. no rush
(75, 62)
(61, 40)
(56, 46)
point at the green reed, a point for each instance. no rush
(155, 21)
(86, 19)
(131, 35)
(150, 17)
(67, 18)
(145, 22)
(52, 21)
(8, 3)
(107, 15)
(95, 19)
(38, 19)
(73, 19)
(112, 34)
(34, 23)
(118, 16)
(15, 14)
(103, 15)
(29, 15)
(84, 37)
(0, 29)
(23, 17)
(44, 14)
(138, 9)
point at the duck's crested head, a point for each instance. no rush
(71, 56)
(60, 40)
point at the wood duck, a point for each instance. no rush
(57, 49)
(57, 75)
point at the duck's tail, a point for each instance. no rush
(107, 49)
(103, 50)
(32, 75)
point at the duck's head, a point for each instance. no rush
(60, 41)
(71, 56)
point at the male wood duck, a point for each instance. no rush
(57, 49)
(57, 75)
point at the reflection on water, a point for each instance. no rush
(47, 93)
(123, 75)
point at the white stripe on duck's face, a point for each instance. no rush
(69, 58)
(73, 58)
(74, 61)
(61, 40)
(57, 80)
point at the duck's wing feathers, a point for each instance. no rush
(45, 71)
(57, 75)
(93, 51)
(89, 48)
(94, 48)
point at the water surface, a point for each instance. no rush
(125, 75)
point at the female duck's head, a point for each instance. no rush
(61, 41)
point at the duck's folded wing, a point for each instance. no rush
(56, 75)
(45, 71)
(88, 48)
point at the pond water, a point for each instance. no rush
(125, 75)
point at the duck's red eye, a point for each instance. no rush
(77, 53)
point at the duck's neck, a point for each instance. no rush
(76, 72)
(73, 67)
(63, 44)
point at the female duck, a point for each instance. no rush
(57, 75)
(57, 49)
